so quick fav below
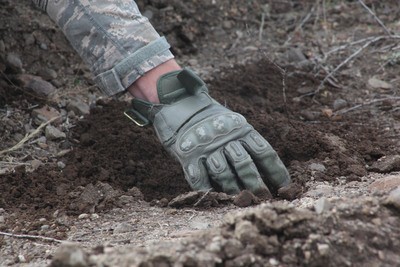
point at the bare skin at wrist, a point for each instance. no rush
(146, 86)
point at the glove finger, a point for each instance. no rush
(245, 169)
(221, 173)
(266, 160)
(196, 175)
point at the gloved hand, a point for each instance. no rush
(216, 147)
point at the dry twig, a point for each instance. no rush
(351, 57)
(27, 137)
(366, 104)
(201, 199)
(375, 17)
(33, 237)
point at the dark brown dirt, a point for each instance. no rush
(112, 160)
(110, 149)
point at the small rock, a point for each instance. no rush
(290, 191)
(323, 249)
(322, 205)
(21, 258)
(61, 165)
(296, 55)
(376, 83)
(83, 216)
(52, 133)
(29, 39)
(123, 228)
(14, 62)
(36, 84)
(48, 74)
(320, 191)
(69, 255)
(35, 164)
(94, 216)
(43, 46)
(245, 199)
(123, 200)
(2, 219)
(42, 220)
(339, 104)
(317, 167)
(385, 184)
(387, 164)
(199, 223)
(394, 198)
(45, 227)
(78, 106)
(2, 46)
(44, 114)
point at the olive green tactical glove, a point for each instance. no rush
(216, 147)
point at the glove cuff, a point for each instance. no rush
(182, 95)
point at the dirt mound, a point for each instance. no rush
(108, 148)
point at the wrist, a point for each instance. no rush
(145, 87)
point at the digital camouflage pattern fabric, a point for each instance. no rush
(112, 37)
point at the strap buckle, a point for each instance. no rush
(136, 117)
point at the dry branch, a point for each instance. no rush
(375, 17)
(351, 57)
(33, 237)
(28, 137)
(366, 104)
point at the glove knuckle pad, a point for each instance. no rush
(216, 162)
(257, 143)
(236, 151)
(206, 131)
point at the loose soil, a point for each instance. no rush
(120, 172)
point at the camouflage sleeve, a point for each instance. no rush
(112, 37)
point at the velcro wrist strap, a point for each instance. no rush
(171, 118)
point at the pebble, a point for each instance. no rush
(2, 219)
(21, 258)
(317, 167)
(394, 198)
(78, 106)
(322, 205)
(296, 55)
(52, 133)
(245, 199)
(48, 74)
(323, 249)
(339, 104)
(45, 227)
(29, 39)
(83, 216)
(35, 164)
(2, 46)
(385, 184)
(14, 61)
(94, 216)
(199, 223)
(36, 84)
(387, 164)
(61, 165)
(376, 83)
(70, 255)
(123, 228)
(44, 114)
